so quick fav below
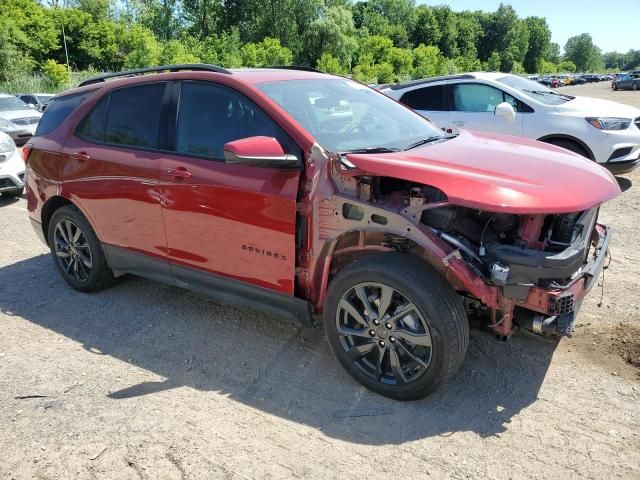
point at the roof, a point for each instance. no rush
(461, 76)
(250, 75)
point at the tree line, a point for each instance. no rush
(374, 41)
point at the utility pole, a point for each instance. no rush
(66, 54)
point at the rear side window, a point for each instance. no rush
(426, 98)
(58, 110)
(128, 116)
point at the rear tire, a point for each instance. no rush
(77, 252)
(569, 145)
(634, 87)
(614, 87)
(411, 339)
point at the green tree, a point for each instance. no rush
(583, 53)
(332, 33)
(426, 30)
(448, 27)
(137, 47)
(57, 74)
(426, 61)
(567, 66)
(539, 43)
(176, 52)
(328, 63)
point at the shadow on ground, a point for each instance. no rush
(267, 363)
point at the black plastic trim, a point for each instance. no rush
(562, 136)
(221, 288)
(618, 168)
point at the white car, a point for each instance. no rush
(17, 119)
(11, 168)
(606, 132)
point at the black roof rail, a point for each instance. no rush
(413, 83)
(202, 67)
(296, 67)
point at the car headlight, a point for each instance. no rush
(609, 123)
(5, 123)
(7, 145)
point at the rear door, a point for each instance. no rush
(236, 221)
(473, 107)
(430, 101)
(115, 156)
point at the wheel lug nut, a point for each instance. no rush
(372, 333)
(376, 322)
(388, 325)
(392, 339)
(381, 343)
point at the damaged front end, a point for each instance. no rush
(512, 268)
(542, 265)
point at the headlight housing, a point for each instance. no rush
(7, 145)
(609, 123)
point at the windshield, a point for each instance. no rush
(8, 104)
(345, 116)
(535, 90)
(44, 98)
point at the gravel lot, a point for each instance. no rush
(147, 381)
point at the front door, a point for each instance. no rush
(235, 221)
(473, 108)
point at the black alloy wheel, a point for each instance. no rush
(72, 250)
(383, 333)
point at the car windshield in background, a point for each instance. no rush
(535, 90)
(9, 104)
(347, 116)
(44, 98)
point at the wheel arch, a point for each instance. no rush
(55, 203)
(577, 141)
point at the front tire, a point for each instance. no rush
(634, 87)
(614, 87)
(569, 145)
(396, 325)
(77, 252)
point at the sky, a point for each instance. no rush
(613, 24)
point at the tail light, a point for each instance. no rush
(26, 150)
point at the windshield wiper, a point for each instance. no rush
(551, 92)
(424, 141)
(372, 150)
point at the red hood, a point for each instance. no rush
(499, 173)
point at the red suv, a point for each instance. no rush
(313, 196)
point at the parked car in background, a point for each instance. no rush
(549, 82)
(603, 131)
(627, 82)
(17, 119)
(566, 79)
(11, 168)
(38, 100)
(579, 81)
(392, 231)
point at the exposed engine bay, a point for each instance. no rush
(536, 264)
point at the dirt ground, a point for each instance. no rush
(147, 381)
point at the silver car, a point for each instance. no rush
(17, 119)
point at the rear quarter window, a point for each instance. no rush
(58, 110)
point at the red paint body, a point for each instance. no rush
(240, 221)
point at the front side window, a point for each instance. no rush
(476, 97)
(210, 115)
(347, 116)
(425, 98)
